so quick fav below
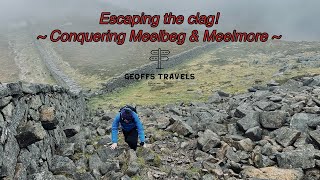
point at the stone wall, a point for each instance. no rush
(151, 68)
(35, 120)
(48, 55)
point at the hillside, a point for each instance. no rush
(232, 68)
(46, 132)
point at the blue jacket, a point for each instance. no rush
(127, 127)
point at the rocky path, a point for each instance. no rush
(271, 132)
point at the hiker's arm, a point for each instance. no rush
(139, 127)
(115, 126)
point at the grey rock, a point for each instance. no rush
(267, 106)
(35, 102)
(315, 136)
(208, 140)
(312, 110)
(249, 121)
(108, 116)
(61, 165)
(104, 141)
(232, 155)
(125, 177)
(90, 149)
(15, 88)
(215, 98)
(44, 175)
(146, 154)
(7, 111)
(275, 98)
(242, 110)
(181, 128)
(133, 169)
(286, 136)
(112, 175)
(83, 176)
(106, 153)
(213, 168)
(34, 114)
(66, 149)
(245, 144)
(29, 88)
(95, 162)
(272, 120)
(302, 121)
(4, 91)
(298, 107)
(312, 174)
(208, 177)
(71, 130)
(163, 122)
(101, 131)
(220, 129)
(291, 85)
(299, 158)
(29, 134)
(60, 177)
(25, 157)
(109, 166)
(254, 133)
(200, 155)
(5, 101)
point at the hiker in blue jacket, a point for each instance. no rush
(131, 128)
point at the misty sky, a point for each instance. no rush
(294, 19)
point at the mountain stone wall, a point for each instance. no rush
(35, 121)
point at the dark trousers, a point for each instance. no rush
(131, 138)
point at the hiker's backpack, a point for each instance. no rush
(134, 109)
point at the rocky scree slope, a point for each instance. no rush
(270, 132)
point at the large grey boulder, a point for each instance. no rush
(35, 102)
(163, 122)
(315, 136)
(180, 127)
(272, 119)
(299, 158)
(133, 166)
(286, 136)
(29, 134)
(62, 165)
(95, 162)
(5, 101)
(66, 149)
(249, 121)
(107, 153)
(254, 133)
(303, 121)
(4, 90)
(208, 140)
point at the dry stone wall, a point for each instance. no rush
(35, 120)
